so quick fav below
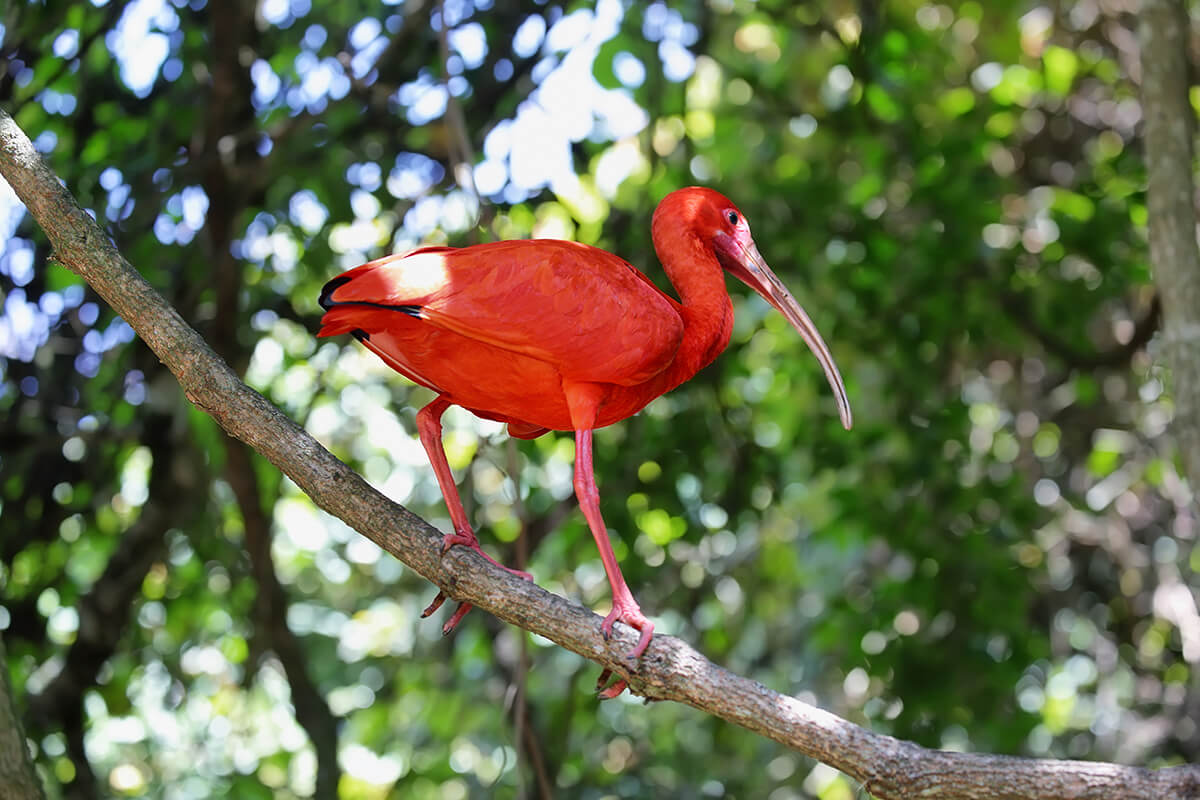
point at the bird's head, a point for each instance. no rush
(721, 225)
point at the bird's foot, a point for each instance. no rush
(609, 692)
(464, 539)
(626, 610)
(468, 539)
(455, 618)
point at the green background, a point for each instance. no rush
(999, 557)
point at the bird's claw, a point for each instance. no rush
(632, 616)
(625, 609)
(609, 692)
(467, 539)
(435, 605)
(464, 539)
(455, 618)
(459, 539)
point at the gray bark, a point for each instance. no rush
(18, 779)
(1164, 29)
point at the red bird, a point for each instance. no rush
(554, 335)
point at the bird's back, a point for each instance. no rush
(514, 317)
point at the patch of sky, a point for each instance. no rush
(66, 44)
(306, 211)
(25, 325)
(140, 44)
(283, 13)
(453, 12)
(470, 42)
(366, 175)
(364, 204)
(363, 61)
(23, 328)
(314, 37)
(424, 99)
(413, 175)
(423, 217)
(18, 262)
(571, 31)
(45, 141)
(667, 27)
(194, 204)
(56, 102)
(529, 36)
(322, 79)
(678, 62)
(365, 32)
(266, 84)
(629, 69)
(118, 205)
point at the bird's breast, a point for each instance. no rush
(492, 381)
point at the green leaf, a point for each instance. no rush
(1061, 65)
(957, 102)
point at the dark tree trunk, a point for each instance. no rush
(18, 780)
(1170, 201)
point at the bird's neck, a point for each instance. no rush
(707, 311)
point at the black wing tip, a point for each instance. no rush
(360, 334)
(326, 299)
(327, 302)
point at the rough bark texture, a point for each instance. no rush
(18, 779)
(1164, 29)
(669, 670)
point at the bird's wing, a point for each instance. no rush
(583, 310)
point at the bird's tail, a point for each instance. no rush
(338, 318)
(351, 299)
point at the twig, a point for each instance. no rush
(669, 670)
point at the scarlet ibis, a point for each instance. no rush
(554, 335)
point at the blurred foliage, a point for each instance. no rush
(1001, 555)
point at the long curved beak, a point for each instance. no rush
(750, 268)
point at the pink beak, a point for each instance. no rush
(748, 266)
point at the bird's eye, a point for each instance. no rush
(732, 217)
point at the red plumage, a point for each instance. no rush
(554, 335)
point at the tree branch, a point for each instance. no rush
(670, 668)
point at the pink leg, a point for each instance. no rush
(429, 428)
(624, 608)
